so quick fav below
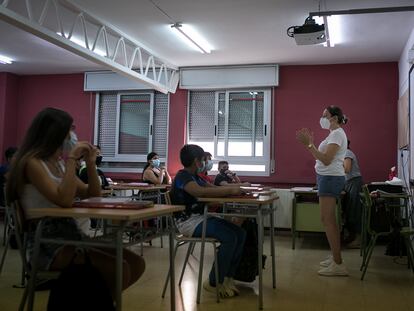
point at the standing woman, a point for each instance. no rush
(330, 174)
(39, 178)
(154, 173)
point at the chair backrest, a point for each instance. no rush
(367, 204)
(167, 197)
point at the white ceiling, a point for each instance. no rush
(240, 31)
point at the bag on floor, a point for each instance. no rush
(80, 287)
(248, 267)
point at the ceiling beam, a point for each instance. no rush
(121, 54)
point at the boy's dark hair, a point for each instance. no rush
(207, 154)
(221, 163)
(10, 152)
(189, 153)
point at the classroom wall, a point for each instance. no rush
(58, 91)
(8, 111)
(367, 93)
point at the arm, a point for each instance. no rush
(150, 175)
(167, 175)
(196, 190)
(305, 136)
(347, 165)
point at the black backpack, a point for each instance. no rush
(80, 287)
(248, 266)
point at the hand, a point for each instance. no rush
(81, 150)
(90, 158)
(305, 136)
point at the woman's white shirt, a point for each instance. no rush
(32, 198)
(336, 168)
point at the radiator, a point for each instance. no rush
(283, 209)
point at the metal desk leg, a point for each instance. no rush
(272, 246)
(118, 268)
(293, 223)
(172, 270)
(32, 281)
(200, 269)
(260, 246)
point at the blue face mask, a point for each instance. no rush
(156, 162)
(209, 165)
(68, 144)
(201, 169)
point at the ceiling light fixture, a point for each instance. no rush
(5, 60)
(192, 37)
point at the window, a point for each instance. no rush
(232, 125)
(130, 125)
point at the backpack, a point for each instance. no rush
(80, 287)
(248, 266)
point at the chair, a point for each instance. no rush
(191, 241)
(371, 235)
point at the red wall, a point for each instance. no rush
(367, 93)
(59, 91)
(8, 111)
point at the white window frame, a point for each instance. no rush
(246, 160)
(129, 158)
(133, 157)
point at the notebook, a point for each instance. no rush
(113, 203)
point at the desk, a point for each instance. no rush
(260, 202)
(122, 217)
(141, 189)
(306, 213)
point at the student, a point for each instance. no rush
(209, 165)
(154, 173)
(227, 177)
(83, 172)
(4, 170)
(331, 181)
(352, 206)
(39, 178)
(186, 187)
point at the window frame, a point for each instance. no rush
(129, 158)
(267, 131)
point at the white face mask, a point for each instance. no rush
(68, 144)
(325, 124)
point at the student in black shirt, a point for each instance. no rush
(83, 172)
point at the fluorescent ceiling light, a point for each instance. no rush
(332, 29)
(192, 37)
(81, 42)
(5, 60)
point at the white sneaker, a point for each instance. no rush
(334, 270)
(229, 283)
(327, 261)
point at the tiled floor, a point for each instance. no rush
(388, 285)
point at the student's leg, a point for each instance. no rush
(228, 245)
(328, 218)
(241, 238)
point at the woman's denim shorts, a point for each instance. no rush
(330, 186)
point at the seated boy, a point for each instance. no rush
(187, 186)
(227, 177)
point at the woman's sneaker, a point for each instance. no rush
(327, 261)
(229, 283)
(334, 270)
(224, 292)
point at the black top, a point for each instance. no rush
(164, 181)
(83, 175)
(222, 177)
(181, 197)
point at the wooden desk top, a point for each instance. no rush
(134, 186)
(260, 200)
(105, 213)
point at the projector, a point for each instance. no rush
(309, 33)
